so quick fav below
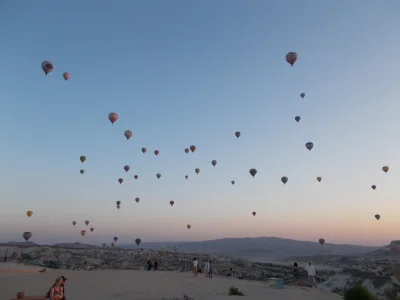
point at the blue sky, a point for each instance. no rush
(193, 72)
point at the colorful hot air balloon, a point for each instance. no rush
(302, 95)
(172, 202)
(297, 118)
(83, 232)
(128, 134)
(373, 187)
(113, 117)
(188, 226)
(115, 238)
(27, 235)
(87, 222)
(385, 169)
(120, 180)
(233, 182)
(319, 179)
(82, 159)
(377, 217)
(291, 58)
(309, 145)
(156, 152)
(81, 171)
(137, 242)
(321, 241)
(74, 223)
(254, 213)
(29, 213)
(253, 172)
(158, 175)
(284, 179)
(91, 229)
(237, 134)
(137, 199)
(127, 168)
(47, 67)
(144, 150)
(214, 162)
(192, 148)
(186, 176)
(66, 76)
(197, 170)
(136, 176)
(187, 150)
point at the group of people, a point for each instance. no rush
(311, 274)
(207, 268)
(151, 265)
(57, 291)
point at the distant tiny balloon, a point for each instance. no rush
(120, 180)
(197, 170)
(193, 148)
(128, 134)
(66, 76)
(214, 162)
(47, 67)
(302, 95)
(385, 169)
(284, 179)
(233, 182)
(321, 241)
(137, 199)
(319, 179)
(83, 232)
(136, 176)
(144, 150)
(254, 213)
(82, 171)
(297, 118)
(158, 175)
(188, 226)
(187, 150)
(377, 217)
(309, 145)
(172, 202)
(127, 168)
(156, 152)
(253, 172)
(237, 134)
(373, 187)
(113, 117)
(291, 58)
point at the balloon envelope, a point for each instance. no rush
(144, 150)
(137, 199)
(253, 172)
(82, 159)
(319, 179)
(27, 235)
(127, 168)
(74, 223)
(128, 134)
(385, 169)
(321, 241)
(47, 67)
(309, 145)
(137, 242)
(120, 180)
(291, 58)
(297, 118)
(172, 202)
(197, 170)
(377, 217)
(237, 134)
(192, 148)
(214, 162)
(187, 150)
(156, 152)
(158, 175)
(284, 179)
(254, 213)
(29, 213)
(66, 76)
(87, 222)
(113, 117)
(83, 232)
(373, 187)
(302, 95)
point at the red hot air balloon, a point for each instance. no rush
(192, 148)
(136, 176)
(113, 117)
(120, 180)
(156, 152)
(291, 58)
(128, 134)
(83, 232)
(66, 76)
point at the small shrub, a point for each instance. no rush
(358, 292)
(235, 292)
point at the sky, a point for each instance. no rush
(181, 73)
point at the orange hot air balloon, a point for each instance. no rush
(83, 232)
(66, 76)
(187, 150)
(254, 213)
(188, 226)
(29, 213)
(156, 152)
(113, 117)
(197, 170)
(144, 150)
(192, 148)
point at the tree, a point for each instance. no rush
(358, 292)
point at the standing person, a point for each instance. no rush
(296, 273)
(149, 265)
(209, 269)
(155, 265)
(231, 273)
(311, 274)
(195, 264)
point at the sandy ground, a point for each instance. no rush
(121, 284)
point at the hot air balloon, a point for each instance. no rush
(158, 175)
(83, 232)
(377, 217)
(91, 229)
(172, 202)
(87, 222)
(237, 134)
(128, 134)
(309, 145)
(156, 152)
(373, 187)
(186, 176)
(66, 76)
(321, 241)
(302, 95)
(118, 202)
(164, 248)
(233, 182)
(254, 213)
(82, 171)
(291, 58)
(137, 199)
(144, 150)
(113, 117)
(120, 180)
(82, 158)
(197, 170)
(127, 168)
(214, 162)
(187, 150)
(284, 179)
(319, 179)
(74, 223)
(297, 118)
(47, 67)
(115, 238)
(385, 169)
(253, 172)
(137, 242)
(29, 213)
(188, 226)
(192, 148)
(27, 235)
